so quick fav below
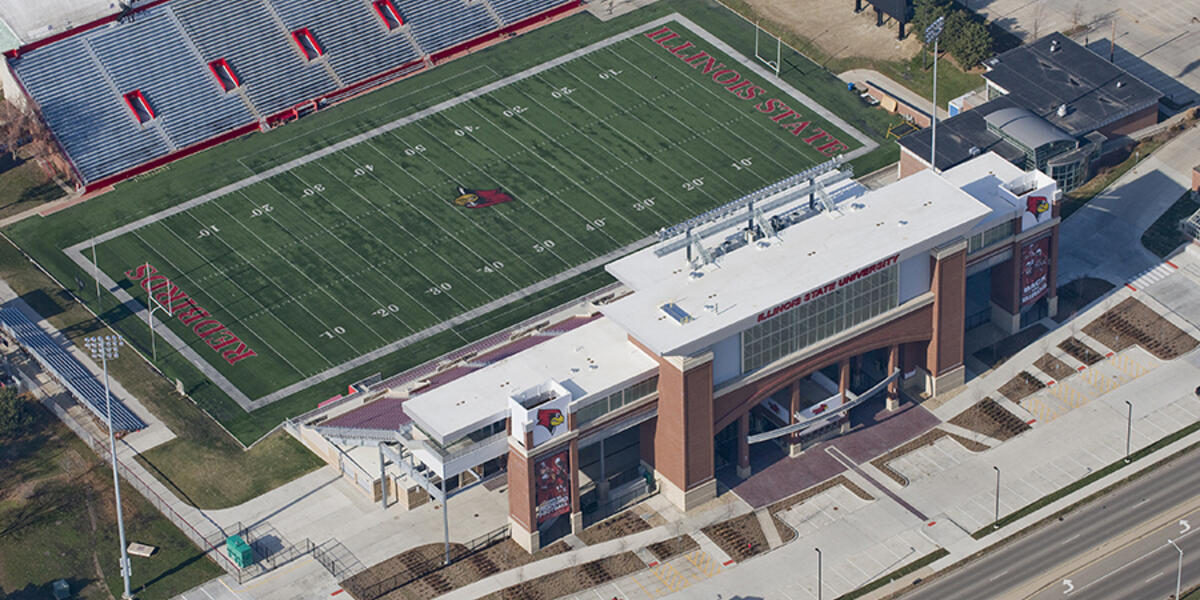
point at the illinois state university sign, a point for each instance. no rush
(215, 334)
(775, 109)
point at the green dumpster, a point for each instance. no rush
(239, 551)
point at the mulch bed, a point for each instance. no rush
(1055, 368)
(841, 480)
(1022, 385)
(991, 419)
(927, 439)
(572, 580)
(401, 568)
(1008, 347)
(1132, 322)
(740, 537)
(673, 547)
(485, 563)
(1080, 351)
(620, 526)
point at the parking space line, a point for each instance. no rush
(635, 580)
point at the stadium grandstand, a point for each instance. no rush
(132, 91)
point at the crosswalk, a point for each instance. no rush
(1150, 276)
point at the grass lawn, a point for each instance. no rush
(23, 185)
(60, 523)
(366, 247)
(1164, 236)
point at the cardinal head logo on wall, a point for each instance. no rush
(550, 418)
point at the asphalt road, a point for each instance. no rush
(998, 572)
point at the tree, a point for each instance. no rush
(972, 44)
(15, 414)
(16, 128)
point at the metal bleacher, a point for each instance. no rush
(358, 43)
(68, 371)
(79, 81)
(512, 11)
(439, 25)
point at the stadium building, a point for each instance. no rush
(1052, 105)
(132, 91)
(757, 326)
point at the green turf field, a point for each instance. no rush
(356, 250)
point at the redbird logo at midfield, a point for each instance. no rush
(550, 418)
(480, 198)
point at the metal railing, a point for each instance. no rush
(1191, 225)
(423, 568)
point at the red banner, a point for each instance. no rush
(1035, 270)
(553, 486)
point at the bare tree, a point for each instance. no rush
(1038, 14)
(1077, 13)
(15, 128)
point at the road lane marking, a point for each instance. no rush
(1155, 576)
(1069, 540)
(998, 575)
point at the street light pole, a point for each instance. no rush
(996, 523)
(1128, 430)
(105, 348)
(1179, 573)
(932, 33)
(818, 573)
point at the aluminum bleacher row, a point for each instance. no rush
(186, 72)
(68, 371)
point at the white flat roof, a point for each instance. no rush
(902, 219)
(981, 177)
(34, 20)
(595, 358)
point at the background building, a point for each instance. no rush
(1052, 105)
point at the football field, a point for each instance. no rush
(308, 269)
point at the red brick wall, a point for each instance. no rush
(1138, 120)
(949, 306)
(910, 164)
(1196, 178)
(520, 490)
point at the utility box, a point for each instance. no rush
(239, 551)
(61, 589)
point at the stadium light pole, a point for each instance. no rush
(932, 33)
(1128, 430)
(105, 348)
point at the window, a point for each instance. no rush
(616, 400)
(820, 318)
(387, 11)
(984, 239)
(308, 44)
(224, 74)
(138, 105)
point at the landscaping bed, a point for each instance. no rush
(572, 580)
(1022, 385)
(1080, 351)
(1055, 368)
(740, 537)
(927, 439)
(673, 547)
(619, 526)
(485, 563)
(1132, 322)
(991, 419)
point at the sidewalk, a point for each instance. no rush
(894, 88)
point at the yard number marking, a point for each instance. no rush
(439, 288)
(514, 110)
(742, 164)
(386, 310)
(644, 204)
(261, 210)
(314, 190)
(363, 170)
(694, 184)
(332, 333)
(491, 267)
(464, 130)
(562, 92)
(543, 246)
(594, 225)
(609, 73)
(210, 230)
(415, 150)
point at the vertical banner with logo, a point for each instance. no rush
(1035, 270)
(553, 486)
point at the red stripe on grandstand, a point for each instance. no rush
(77, 30)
